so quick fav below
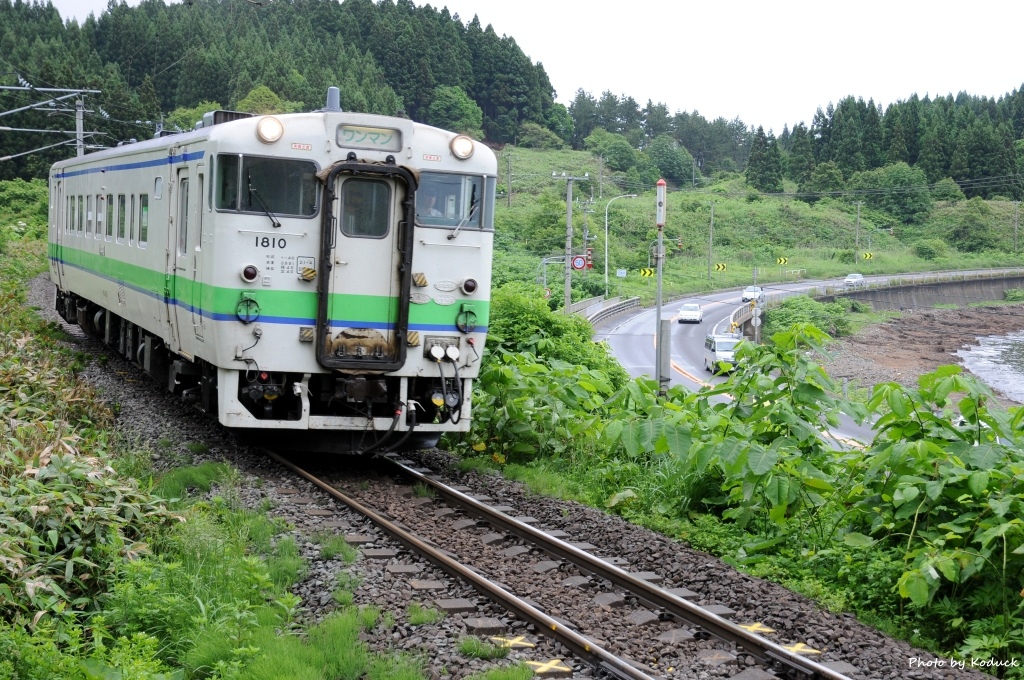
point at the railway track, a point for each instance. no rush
(606, 602)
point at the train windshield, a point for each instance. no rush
(260, 185)
(454, 201)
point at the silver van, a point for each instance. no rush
(720, 348)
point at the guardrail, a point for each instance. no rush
(613, 309)
(577, 307)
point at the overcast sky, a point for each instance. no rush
(767, 62)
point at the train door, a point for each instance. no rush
(196, 306)
(58, 226)
(180, 283)
(363, 316)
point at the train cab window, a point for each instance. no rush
(121, 217)
(143, 220)
(110, 216)
(227, 182)
(365, 208)
(448, 200)
(255, 184)
(81, 213)
(88, 215)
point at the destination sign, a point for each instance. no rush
(374, 138)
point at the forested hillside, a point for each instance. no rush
(166, 64)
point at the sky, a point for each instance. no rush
(768, 63)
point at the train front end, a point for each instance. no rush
(352, 310)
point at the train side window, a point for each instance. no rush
(81, 213)
(131, 222)
(227, 182)
(158, 188)
(365, 208)
(183, 216)
(143, 220)
(71, 214)
(110, 216)
(88, 215)
(67, 215)
(121, 218)
(100, 213)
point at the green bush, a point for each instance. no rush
(930, 249)
(1015, 295)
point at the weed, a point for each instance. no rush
(285, 566)
(419, 615)
(197, 448)
(331, 546)
(518, 672)
(175, 483)
(421, 490)
(476, 648)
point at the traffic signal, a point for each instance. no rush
(590, 258)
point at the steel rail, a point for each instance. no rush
(576, 643)
(766, 652)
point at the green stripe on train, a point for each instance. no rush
(277, 303)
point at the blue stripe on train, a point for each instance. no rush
(281, 320)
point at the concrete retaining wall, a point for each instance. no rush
(926, 295)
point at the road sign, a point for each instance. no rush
(868, 256)
(720, 267)
(579, 262)
(756, 312)
(647, 272)
(621, 273)
(756, 321)
(782, 260)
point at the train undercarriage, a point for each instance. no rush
(326, 412)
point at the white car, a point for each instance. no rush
(690, 313)
(753, 293)
(854, 280)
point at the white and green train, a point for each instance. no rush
(321, 280)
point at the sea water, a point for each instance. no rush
(998, 360)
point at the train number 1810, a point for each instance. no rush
(270, 242)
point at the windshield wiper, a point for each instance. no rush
(472, 210)
(263, 204)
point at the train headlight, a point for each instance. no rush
(462, 147)
(269, 130)
(249, 273)
(469, 286)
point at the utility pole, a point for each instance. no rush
(857, 237)
(663, 352)
(1016, 207)
(76, 94)
(711, 238)
(568, 234)
(508, 177)
(79, 128)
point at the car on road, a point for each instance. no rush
(690, 313)
(720, 348)
(854, 280)
(753, 293)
